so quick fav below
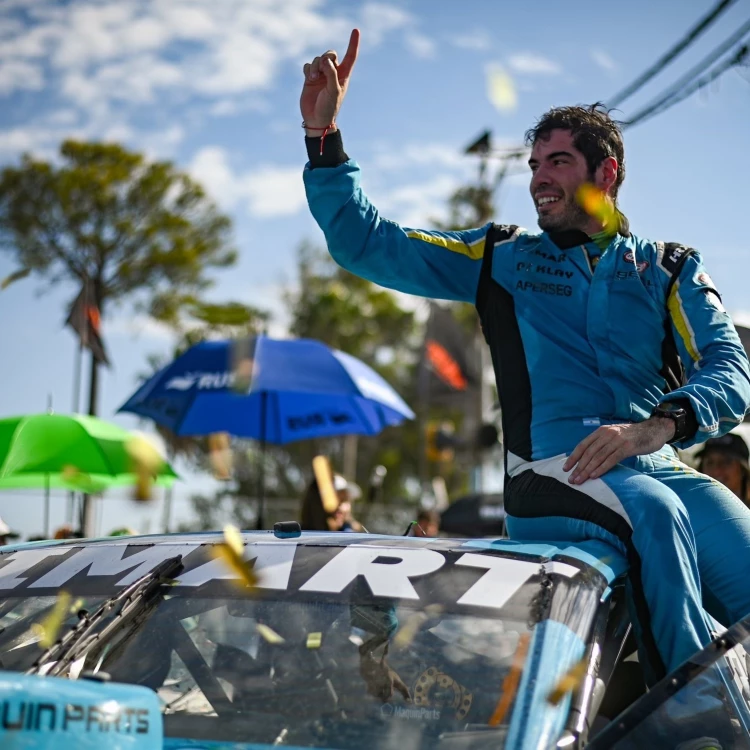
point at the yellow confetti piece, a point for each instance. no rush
(269, 635)
(408, 631)
(314, 640)
(324, 478)
(49, 627)
(230, 552)
(220, 455)
(146, 462)
(510, 683)
(77, 479)
(596, 204)
(568, 682)
(501, 90)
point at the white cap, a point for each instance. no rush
(340, 484)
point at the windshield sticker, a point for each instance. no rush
(22, 561)
(387, 571)
(503, 578)
(273, 566)
(108, 561)
(467, 579)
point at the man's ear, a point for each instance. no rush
(606, 174)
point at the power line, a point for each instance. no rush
(688, 78)
(676, 98)
(670, 55)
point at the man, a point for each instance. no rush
(726, 459)
(575, 320)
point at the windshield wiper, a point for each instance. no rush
(132, 601)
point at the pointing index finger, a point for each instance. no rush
(346, 65)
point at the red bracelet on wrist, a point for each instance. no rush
(322, 137)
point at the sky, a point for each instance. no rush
(214, 87)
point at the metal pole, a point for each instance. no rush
(166, 509)
(46, 505)
(77, 363)
(262, 467)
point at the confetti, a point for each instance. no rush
(408, 631)
(146, 462)
(79, 480)
(501, 90)
(596, 204)
(220, 455)
(269, 635)
(324, 478)
(510, 683)
(568, 682)
(49, 627)
(230, 552)
(314, 640)
(243, 365)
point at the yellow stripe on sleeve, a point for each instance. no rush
(475, 250)
(681, 322)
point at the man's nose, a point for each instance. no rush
(539, 179)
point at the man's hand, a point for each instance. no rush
(604, 448)
(326, 81)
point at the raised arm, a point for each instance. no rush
(442, 265)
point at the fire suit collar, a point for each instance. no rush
(575, 237)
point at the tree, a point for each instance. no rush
(108, 218)
(347, 313)
(193, 321)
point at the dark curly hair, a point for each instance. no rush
(595, 134)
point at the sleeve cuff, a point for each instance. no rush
(691, 421)
(333, 151)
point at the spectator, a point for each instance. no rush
(428, 523)
(726, 459)
(6, 535)
(314, 516)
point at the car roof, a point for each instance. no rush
(591, 553)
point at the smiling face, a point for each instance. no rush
(558, 170)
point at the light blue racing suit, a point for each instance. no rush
(578, 343)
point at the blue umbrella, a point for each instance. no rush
(299, 389)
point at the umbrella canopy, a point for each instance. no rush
(299, 389)
(72, 452)
(474, 516)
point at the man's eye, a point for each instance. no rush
(557, 162)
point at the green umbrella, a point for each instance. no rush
(72, 452)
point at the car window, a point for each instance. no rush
(707, 698)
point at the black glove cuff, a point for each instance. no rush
(333, 151)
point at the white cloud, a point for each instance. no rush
(267, 191)
(420, 46)
(479, 41)
(112, 61)
(533, 64)
(19, 74)
(603, 60)
(379, 19)
(442, 155)
(416, 204)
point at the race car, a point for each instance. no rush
(346, 641)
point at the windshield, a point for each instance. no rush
(378, 643)
(365, 646)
